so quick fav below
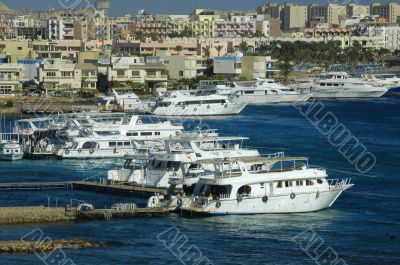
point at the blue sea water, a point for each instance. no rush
(362, 227)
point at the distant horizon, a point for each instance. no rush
(124, 7)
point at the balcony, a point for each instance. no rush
(156, 77)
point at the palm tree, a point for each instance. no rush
(219, 48)
(243, 47)
(207, 52)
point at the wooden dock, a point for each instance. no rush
(83, 186)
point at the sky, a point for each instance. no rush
(121, 7)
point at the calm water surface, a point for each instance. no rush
(361, 228)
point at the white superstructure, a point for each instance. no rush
(179, 160)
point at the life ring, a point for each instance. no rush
(225, 106)
(183, 107)
(218, 204)
(179, 202)
(79, 150)
(66, 151)
(265, 198)
(174, 174)
(239, 197)
(91, 151)
(208, 106)
(292, 195)
(195, 109)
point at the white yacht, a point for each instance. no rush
(179, 104)
(131, 126)
(179, 160)
(289, 187)
(340, 85)
(99, 146)
(123, 102)
(262, 91)
(10, 149)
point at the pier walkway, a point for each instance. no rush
(82, 186)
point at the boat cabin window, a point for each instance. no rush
(249, 92)
(284, 184)
(299, 183)
(112, 144)
(319, 181)
(146, 134)
(216, 191)
(164, 104)
(155, 164)
(157, 133)
(244, 190)
(120, 144)
(89, 145)
(262, 185)
(132, 134)
(309, 182)
(173, 165)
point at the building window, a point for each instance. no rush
(135, 73)
(180, 73)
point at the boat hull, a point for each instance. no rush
(302, 202)
(11, 157)
(271, 99)
(200, 110)
(348, 93)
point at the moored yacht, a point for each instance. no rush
(98, 146)
(261, 91)
(288, 187)
(179, 104)
(340, 85)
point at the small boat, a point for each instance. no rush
(291, 186)
(10, 149)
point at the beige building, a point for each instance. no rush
(136, 69)
(11, 76)
(57, 74)
(294, 16)
(335, 13)
(254, 67)
(358, 10)
(181, 66)
(13, 50)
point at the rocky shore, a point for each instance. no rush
(34, 214)
(21, 246)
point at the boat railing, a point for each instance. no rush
(338, 184)
(274, 155)
(204, 201)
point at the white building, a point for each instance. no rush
(60, 29)
(391, 35)
(229, 65)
